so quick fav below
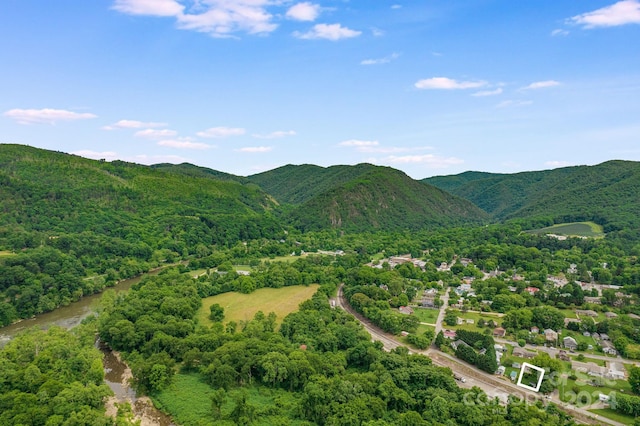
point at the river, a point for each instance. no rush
(116, 371)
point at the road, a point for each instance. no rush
(554, 351)
(443, 308)
(492, 385)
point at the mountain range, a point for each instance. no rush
(51, 190)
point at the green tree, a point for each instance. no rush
(634, 379)
(216, 312)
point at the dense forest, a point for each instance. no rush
(71, 227)
(605, 193)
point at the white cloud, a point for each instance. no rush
(556, 164)
(149, 7)
(488, 92)
(448, 84)
(328, 32)
(221, 132)
(255, 149)
(374, 147)
(155, 159)
(511, 103)
(155, 133)
(133, 124)
(105, 155)
(304, 11)
(377, 32)
(219, 18)
(379, 61)
(276, 135)
(46, 115)
(183, 143)
(396, 6)
(541, 85)
(620, 13)
(431, 160)
(559, 32)
(358, 143)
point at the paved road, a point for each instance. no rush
(443, 308)
(492, 385)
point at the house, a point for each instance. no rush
(590, 368)
(607, 348)
(593, 299)
(513, 376)
(633, 316)
(570, 343)
(428, 302)
(499, 348)
(550, 335)
(449, 334)
(604, 336)
(523, 353)
(568, 320)
(512, 288)
(404, 333)
(586, 334)
(407, 310)
(465, 262)
(535, 330)
(469, 321)
(587, 313)
(595, 336)
(610, 315)
(515, 365)
(459, 321)
(499, 332)
(501, 370)
(616, 371)
(532, 290)
(563, 356)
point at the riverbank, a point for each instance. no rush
(118, 377)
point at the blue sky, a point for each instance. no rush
(244, 86)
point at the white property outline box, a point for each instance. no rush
(533, 367)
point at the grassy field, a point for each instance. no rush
(569, 313)
(426, 315)
(243, 307)
(574, 229)
(188, 401)
(567, 393)
(422, 328)
(6, 253)
(475, 316)
(613, 415)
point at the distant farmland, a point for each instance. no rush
(243, 307)
(574, 229)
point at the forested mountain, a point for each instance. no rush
(297, 184)
(192, 170)
(383, 198)
(66, 218)
(606, 193)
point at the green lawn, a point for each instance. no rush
(475, 316)
(613, 415)
(582, 385)
(426, 315)
(197, 272)
(422, 328)
(596, 361)
(188, 401)
(573, 229)
(6, 253)
(243, 307)
(569, 313)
